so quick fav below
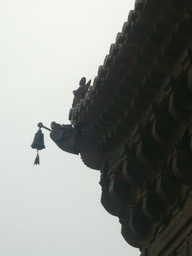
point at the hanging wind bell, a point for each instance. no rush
(38, 142)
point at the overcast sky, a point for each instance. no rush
(46, 47)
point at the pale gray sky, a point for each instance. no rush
(46, 47)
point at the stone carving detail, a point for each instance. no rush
(65, 137)
(72, 140)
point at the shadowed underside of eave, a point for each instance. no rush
(137, 116)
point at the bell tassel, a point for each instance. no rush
(37, 161)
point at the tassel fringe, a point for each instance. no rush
(37, 159)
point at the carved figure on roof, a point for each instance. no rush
(72, 140)
(65, 137)
(81, 91)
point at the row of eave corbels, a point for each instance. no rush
(170, 114)
(136, 223)
(129, 174)
(126, 116)
(141, 199)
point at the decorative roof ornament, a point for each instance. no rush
(81, 91)
(38, 142)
